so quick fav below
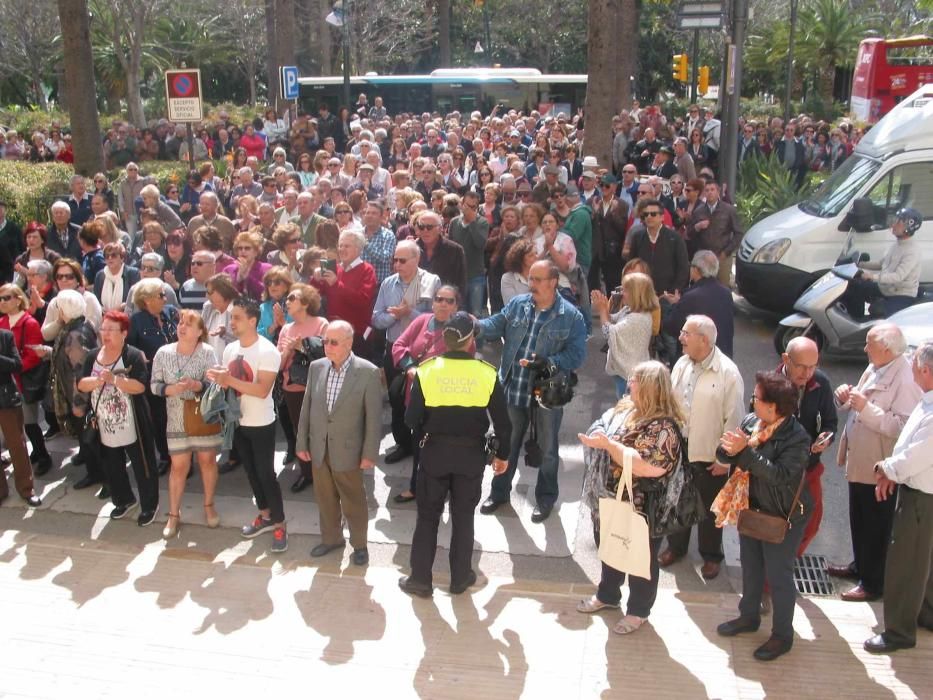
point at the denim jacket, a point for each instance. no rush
(562, 339)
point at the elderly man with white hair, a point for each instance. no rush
(245, 185)
(908, 595)
(402, 297)
(878, 407)
(150, 267)
(710, 389)
(707, 296)
(62, 234)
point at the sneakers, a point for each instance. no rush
(146, 517)
(257, 527)
(120, 512)
(279, 541)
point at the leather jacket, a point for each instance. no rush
(775, 469)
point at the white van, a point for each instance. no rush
(892, 165)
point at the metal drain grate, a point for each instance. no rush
(810, 575)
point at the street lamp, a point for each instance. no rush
(340, 17)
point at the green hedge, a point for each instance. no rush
(30, 188)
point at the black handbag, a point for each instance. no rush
(689, 509)
(35, 381)
(10, 396)
(311, 349)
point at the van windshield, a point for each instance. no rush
(837, 191)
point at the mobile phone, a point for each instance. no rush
(328, 264)
(824, 438)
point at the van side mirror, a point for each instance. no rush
(861, 216)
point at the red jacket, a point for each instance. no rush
(26, 332)
(255, 145)
(352, 297)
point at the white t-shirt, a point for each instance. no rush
(114, 410)
(246, 364)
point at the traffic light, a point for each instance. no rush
(703, 80)
(680, 65)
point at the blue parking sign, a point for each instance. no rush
(288, 82)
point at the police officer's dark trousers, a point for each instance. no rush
(457, 470)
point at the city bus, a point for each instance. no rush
(887, 71)
(448, 89)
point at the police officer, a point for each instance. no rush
(450, 398)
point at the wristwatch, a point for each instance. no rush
(878, 469)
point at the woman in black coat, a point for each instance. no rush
(773, 448)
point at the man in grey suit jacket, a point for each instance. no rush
(339, 432)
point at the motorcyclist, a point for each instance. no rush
(894, 280)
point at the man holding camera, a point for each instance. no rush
(450, 398)
(543, 333)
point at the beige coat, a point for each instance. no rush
(870, 434)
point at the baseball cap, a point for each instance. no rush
(460, 326)
(572, 190)
(589, 173)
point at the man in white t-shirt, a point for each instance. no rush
(250, 365)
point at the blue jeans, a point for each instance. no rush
(476, 296)
(621, 386)
(548, 424)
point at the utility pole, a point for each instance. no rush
(729, 132)
(695, 57)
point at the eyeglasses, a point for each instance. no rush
(150, 268)
(111, 256)
(293, 297)
(161, 295)
(333, 342)
(444, 300)
(198, 263)
(400, 261)
(425, 227)
(6, 298)
(65, 277)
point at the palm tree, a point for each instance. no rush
(830, 33)
(602, 66)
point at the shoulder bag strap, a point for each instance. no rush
(796, 496)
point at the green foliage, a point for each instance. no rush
(165, 172)
(29, 188)
(766, 187)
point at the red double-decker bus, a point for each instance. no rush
(887, 71)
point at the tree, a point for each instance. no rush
(82, 89)
(627, 26)
(238, 22)
(602, 68)
(443, 33)
(28, 29)
(126, 22)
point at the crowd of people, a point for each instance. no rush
(163, 328)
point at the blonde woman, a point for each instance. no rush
(628, 331)
(647, 424)
(179, 374)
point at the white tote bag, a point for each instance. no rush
(623, 532)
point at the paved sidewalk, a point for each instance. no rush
(105, 617)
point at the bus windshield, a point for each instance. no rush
(837, 191)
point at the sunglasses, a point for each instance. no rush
(111, 256)
(342, 212)
(400, 261)
(332, 342)
(444, 300)
(149, 268)
(6, 298)
(198, 263)
(644, 194)
(652, 213)
(65, 277)
(425, 227)
(293, 297)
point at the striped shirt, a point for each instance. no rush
(335, 377)
(518, 391)
(380, 247)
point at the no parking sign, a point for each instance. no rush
(183, 95)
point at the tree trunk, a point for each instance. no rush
(627, 26)
(272, 70)
(82, 90)
(304, 47)
(325, 38)
(134, 100)
(443, 33)
(285, 35)
(602, 69)
(826, 77)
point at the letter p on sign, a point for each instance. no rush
(288, 81)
